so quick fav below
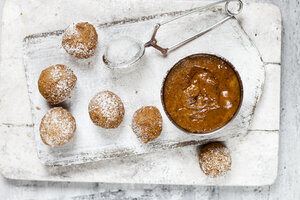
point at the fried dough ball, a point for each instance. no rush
(147, 123)
(56, 83)
(57, 127)
(215, 159)
(106, 110)
(80, 40)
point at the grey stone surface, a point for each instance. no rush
(285, 187)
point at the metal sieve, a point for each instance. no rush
(122, 53)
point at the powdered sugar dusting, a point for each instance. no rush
(57, 127)
(80, 40)
(108, 105)
(56, 83)
(147, 81)
(123, 51)
(215, 160)
(147, 123)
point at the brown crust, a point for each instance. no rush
(56, 83)
(57, 127)
(106, 110)
(80, 40)
(215, 159)
(147, 123)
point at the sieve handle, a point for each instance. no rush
(153, 40)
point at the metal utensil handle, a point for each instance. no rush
(153, 40)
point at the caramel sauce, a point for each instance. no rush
(202, 93)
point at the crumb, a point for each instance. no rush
(21, 13)
(136, 91)
(255, 34)
(55, 14)
(28, 134)
(89, 63)
(38, 108)
(277, 38)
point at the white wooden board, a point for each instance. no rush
(16, 125)
(139, 88)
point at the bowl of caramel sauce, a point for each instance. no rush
(202, 93)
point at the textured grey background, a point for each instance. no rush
(286, 186)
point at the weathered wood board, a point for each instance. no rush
(139, 88)
(16, 125)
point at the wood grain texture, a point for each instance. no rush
(286, 186)
(44, 49)
(154, 168)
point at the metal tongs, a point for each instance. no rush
(153, 42)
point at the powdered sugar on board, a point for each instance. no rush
(92, 143)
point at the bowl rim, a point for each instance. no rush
(226, 124)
